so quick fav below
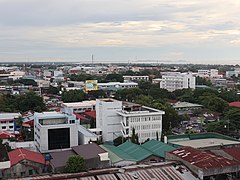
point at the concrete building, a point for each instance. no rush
(117, 118)
(176, 80)
(136, 78)
(80, 107)
(212, 73)
(229, 74)
(8, 121)
(55, 130)
(117, 85)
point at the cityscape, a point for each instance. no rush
(119, 90)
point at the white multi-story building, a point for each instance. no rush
(55, 130)
(176, 80)
(232, 73)
(8, 120)
(212, 73)
(136, 78)
(117, 118)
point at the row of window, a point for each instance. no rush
(144, 119)
(147, 126)
(4, 122)
(5, 127)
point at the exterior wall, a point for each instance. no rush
(146, 126)
(23, 168)
(107, 119)
(83, 139)
(5, 164)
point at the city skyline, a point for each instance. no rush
(187, 31)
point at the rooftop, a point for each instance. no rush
(235, 104)
(80, 104)
(45, 115)
(202, 159)
(185, 105)
(209, 142)
(18, 155)
(9, 115)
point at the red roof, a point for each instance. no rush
(235, 104)
(234, 152)
(6, 135)
(79, 116)
(90, 114)
(18, 155)
(202, 159)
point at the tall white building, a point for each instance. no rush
(117, 118)
(55, 131)
(176, 80)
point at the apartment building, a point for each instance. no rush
(55, 130)
(212, 73)
(117, 118)
(176, 80)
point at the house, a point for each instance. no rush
(6, 135)
(24, 163)
(93, 155)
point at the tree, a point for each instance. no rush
(214, 103)
(75, 164)
(134, 137)
(73, 96)
(114, 78)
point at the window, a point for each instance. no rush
(3, 127)
(22, 173)
(30, 172)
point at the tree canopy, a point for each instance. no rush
(75, 164)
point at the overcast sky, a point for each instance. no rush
(193, 31)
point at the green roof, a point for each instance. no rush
(158, 148)
(116, 154)
(135, 151)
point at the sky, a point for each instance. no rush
(164, 31)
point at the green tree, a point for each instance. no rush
(114, 78)
(134, 137)
(73, 96)
(75, 164)
(214, 103)
(130, 94)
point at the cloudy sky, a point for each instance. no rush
(184, 31)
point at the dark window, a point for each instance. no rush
(58, 138)
(30, 172)
(22, 173)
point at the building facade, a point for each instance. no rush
(175, 80)
(117, 118)
(136, 78)
(55, 131)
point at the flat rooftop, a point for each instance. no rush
(80, 104)
(208, 142)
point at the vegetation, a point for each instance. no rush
(75, 164)
(22, 103)
(73, 96)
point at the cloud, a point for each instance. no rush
(72, 28)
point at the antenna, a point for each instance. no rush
(92, 59)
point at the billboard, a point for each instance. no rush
(91, 85)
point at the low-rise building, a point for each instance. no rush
(24, 163)
(8, 121)
(136, 78)
(117, 85)
(93, 155)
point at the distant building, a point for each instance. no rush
(175, 80)
(136, 78)
(80, 107)
(186, 107)
(117, 85)
(55, 130)
(212, 73)
(117, 118)
(229, 74)
(8, 121)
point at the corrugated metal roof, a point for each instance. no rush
(116, 154)
(158, 148)
(135, 151)
(202, 159)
